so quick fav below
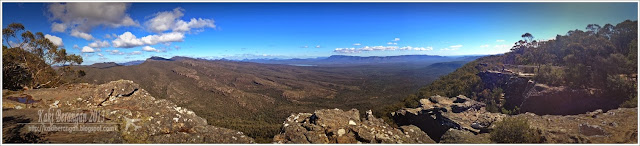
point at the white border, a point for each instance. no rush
(321, 1)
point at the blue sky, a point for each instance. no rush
(104, 32)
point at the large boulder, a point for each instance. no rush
(439, 119)
(542, 99)
(137, 116)
(338, 126)
(614, 126)
(437, 114)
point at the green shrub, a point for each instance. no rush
(21, 68)
(631, 103)
(632, 100)
(514, 111)
(28, 63)
(550, 75)
(514, 130)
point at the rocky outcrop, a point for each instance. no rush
(515, 87)
(137, 116)
(437, 115)
(529, 96)
(338, 126)
(614, 126)
(471, 123)
(562, 100)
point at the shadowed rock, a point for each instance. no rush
(338, 126)
(437, 115)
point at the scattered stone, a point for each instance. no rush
(341, 132)
(594, 113)
(338, 126)
(351, 122)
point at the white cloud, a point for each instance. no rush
(163, 38)
(182, 26)
(87, 49)
(451, 48)
(357, 44)
(149, 49)
(81, 18)
(135, 53)
(99, 44)
(170, 20)
(499, 40)
(396, 39)
(83, 35)
(380, 48)
(305, 47)
(416, 48)
(58, 27)
(54, 39)
(346, 50)
(115, 52)
(128, 40)
(163, 21)
(389, 43)
(422, 48)
(100, 54)
(484, 46)
(76, 47)
(318, 46)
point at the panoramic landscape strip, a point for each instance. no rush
(320, 73)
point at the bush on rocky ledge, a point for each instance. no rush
(514, 130)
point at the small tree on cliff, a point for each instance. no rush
(28, 59)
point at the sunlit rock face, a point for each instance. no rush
(138, 117)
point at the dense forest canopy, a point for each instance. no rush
(27, 60)
(602, 57)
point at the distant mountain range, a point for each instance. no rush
(334, 60)
(358, 60)
(130, 63)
